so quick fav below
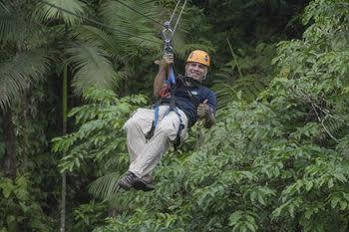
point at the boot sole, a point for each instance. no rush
(123, 186)
(140, 185)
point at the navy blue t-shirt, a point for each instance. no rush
(188, 102)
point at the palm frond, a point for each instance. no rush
(3, 7)
(9, 25)
(20, 29)
(105, 186)
(238, 77)
(331, 131)
(249, 87)
(247, 74)
(134, 25)
(97, 37)
(45, 12)
(18, 73)
(91, 67)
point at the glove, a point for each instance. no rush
(203, 109)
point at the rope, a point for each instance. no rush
(168, 33)
(98, 23)
(138, 12)
(174, 11)
(179, 16)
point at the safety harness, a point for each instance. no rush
(170, 89)
(167, 96)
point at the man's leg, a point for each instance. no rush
(136, 128)
(165, 132)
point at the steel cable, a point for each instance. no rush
(138, 12)
(174, 11)
(179, 16)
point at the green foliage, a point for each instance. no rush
(46, 12)
(101, 123)
(316, 68)
(87, 216)
(90, 64)
(133, 25)
(19, 208)
(7, 23)
(262, 167)
(100, 142)
(277, 159)
(23, 60)
(246, 75)
(18, 73)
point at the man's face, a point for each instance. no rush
(195, 70)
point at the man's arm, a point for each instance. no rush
(161, 76)
(159, 80)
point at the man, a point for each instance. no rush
(150, 131)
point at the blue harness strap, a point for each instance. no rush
(172, 81)
(171, 76)
(156, 115)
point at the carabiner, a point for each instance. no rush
(167, 35)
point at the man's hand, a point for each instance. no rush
(204, 112)
(167, 59)
(158, 83)
(203, 109)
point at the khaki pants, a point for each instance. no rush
(144, 155)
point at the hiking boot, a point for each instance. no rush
(148, 178)
(145, 183)
(131, 180)
(127, 181)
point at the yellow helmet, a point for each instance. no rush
(199, 57)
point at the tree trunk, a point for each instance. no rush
(25, 139)
(65, 116)
(10, 145)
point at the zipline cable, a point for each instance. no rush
(138, 12)
(98, 23)
(174, 11)
(168, 32)
(179, 16)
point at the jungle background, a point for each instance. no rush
(277, 159)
